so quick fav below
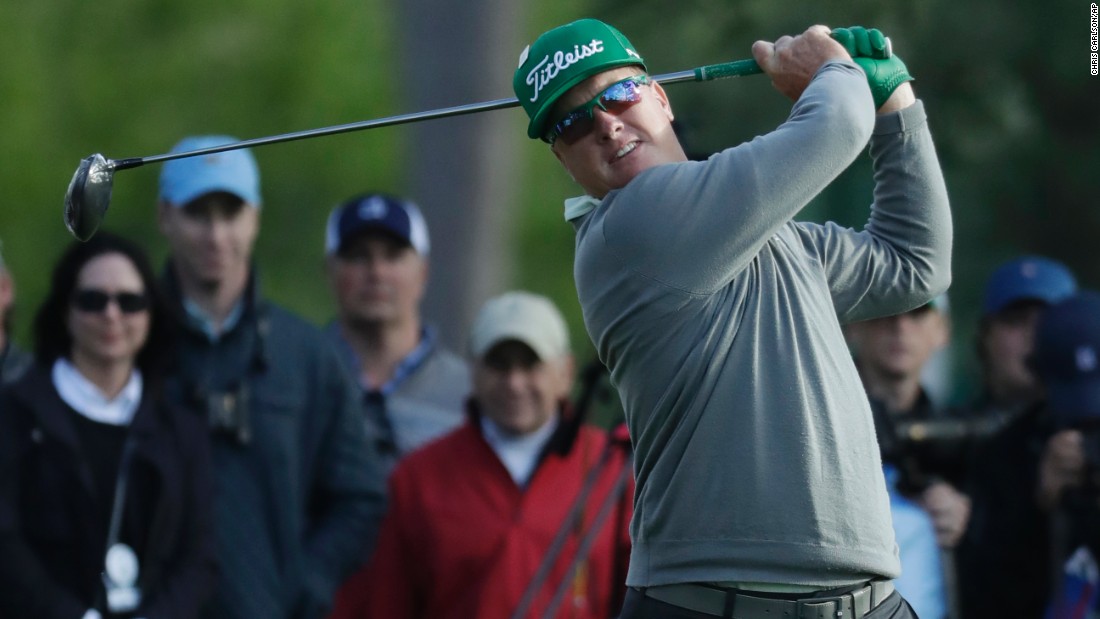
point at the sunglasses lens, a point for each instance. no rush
(132, 302)
(94, 301)
(574, 126)
(618, 97)
(90, 300)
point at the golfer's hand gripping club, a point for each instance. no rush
(872, 51)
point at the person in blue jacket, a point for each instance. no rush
(298, 488)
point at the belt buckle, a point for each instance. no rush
(836, 600)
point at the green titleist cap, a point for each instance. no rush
(562, 58)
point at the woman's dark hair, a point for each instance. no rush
(51, 332)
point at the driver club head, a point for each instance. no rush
(89, 195)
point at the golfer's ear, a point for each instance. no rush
(662, 98)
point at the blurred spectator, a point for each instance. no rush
(922, 577)
(298, 489)
(413, 388)
(508, 528)
(1015, 295)
(104, 487)
(1004, 558)
(890, 354)
(13, 360)
(1067, 361)
(927, 509)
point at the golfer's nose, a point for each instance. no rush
(605, 124)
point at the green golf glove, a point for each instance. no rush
(871, 51)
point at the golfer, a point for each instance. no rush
(759, 487)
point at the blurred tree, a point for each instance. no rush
(462, 171)
(131, 78)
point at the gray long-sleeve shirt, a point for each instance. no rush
(719, 318)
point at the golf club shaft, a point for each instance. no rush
(702, 74)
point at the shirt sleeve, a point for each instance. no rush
(714, 216)
(901, 258)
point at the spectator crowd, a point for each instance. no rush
(178, 445)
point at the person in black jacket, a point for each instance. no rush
(1067, 362)
(1004, 557)
(105, 507)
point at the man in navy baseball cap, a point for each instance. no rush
(413, 388)
(395, 216)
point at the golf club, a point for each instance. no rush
(89, 192)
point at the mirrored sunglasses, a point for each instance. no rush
(95, 301)
(615, 99)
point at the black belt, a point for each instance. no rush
(740, 604)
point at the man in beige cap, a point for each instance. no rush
(473, 540)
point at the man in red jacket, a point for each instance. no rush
(522, 511)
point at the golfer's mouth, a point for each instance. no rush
(624, 151)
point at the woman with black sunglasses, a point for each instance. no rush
(104, 487)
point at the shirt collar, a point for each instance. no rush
(412, 361)
(518, 454)
(86, 398)
(405, 368)
(205, 324)
(580, 206)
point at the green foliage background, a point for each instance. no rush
(1007, 86)
(129, 78)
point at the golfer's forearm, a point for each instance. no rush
(911, 212)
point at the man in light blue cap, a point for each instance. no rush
(209, 212)
(298, 490)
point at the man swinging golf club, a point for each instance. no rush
(759, 487)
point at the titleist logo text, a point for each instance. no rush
(546, 70)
